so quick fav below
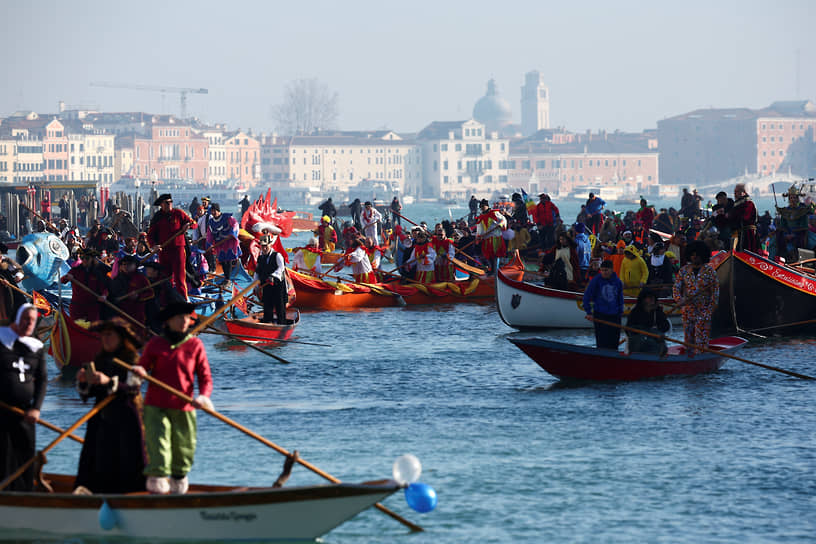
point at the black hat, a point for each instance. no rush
(608, 264)
(119, 325)
(88, 252)
(176, 308)
(152, 264)
(162, 198)
(129, 259)
(484, 202)
(367, 203)
(215, 206)
(3, 248)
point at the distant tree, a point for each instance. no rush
(308, 105)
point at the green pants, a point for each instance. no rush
(170, 441)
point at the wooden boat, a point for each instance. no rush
(251, 329)
(568, 361)
(757, 294)
(72, 345)
(322, 294)
(205, 513)
(304, 221)
(526, 305)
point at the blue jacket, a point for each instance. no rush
(583, 249)
(604, 296)
(595, 206)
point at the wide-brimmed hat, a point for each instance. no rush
(120, 326)
(265, 240)
(88, 252)
(162, 198)
(176, 308)
(152, 264)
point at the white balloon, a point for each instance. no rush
(407, 469)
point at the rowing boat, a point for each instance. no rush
(571, 362)
(321, 294)
(251, 329)
(205, 513)
(524, 305)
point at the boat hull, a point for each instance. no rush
(570, 362)
(71, 344)
(757, 294)
(206, 513)
(250, 329)
(527, 306)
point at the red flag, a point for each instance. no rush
(40, 302)
(241, 303)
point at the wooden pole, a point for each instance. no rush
(95, 410)
(44, 423)
(167, 242)
(110, 305)
(145, 288)
(222, 333)
(261, 439)
(457, 250)
(703, 348)
(211, 319)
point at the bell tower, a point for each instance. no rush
(535, 103)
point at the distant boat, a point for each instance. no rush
(606, 192)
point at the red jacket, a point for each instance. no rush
(177, 368)
(164, 225)
(545, 213)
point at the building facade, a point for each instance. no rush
(242, 157)
(172, 154)
(708, 146)
(460, 159)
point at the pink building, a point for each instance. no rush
(171, 151)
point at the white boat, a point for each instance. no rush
(606, 193)
(205, 513)
(525, 305)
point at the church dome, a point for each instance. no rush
(493, 110)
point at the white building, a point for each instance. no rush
(461, 159)
(336, 162)
(91, 156)
(217, 154)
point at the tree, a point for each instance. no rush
(308, 105)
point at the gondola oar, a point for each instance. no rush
(269, 340)
(109, 304)
(95, 410)
(794, 324)
(256, 348)
(702, 348)
(21, 412)
(261, 439)
(161, 246)
(145, 288)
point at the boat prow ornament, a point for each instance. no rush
(515, 300)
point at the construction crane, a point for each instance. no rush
(162, 89)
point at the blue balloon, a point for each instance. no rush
(420, 497)
(107, 517)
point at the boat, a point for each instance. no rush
(524, 305)
(322, 294)
(571, 362)
(204, 513)
(71, 344)
(251, 329)
(757, 294)
(304, 222)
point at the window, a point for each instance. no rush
(590, 163)
(458, 147)
(434, 148)
(444, 147)
(445, 165)
(444, 179)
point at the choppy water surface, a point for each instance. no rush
(513, 454)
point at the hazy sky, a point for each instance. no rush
(611, 65)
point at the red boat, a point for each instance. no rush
(571, 362)
(72, 345)
(251, 329)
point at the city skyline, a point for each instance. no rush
(624, 66)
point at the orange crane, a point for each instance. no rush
(182, 91)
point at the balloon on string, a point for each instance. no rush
(407, 469)
(107, 517)
(421, 497)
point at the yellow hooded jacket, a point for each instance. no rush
(633, 272)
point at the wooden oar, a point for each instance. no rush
(802, 262)
(45, 424)
(109, 304)
(145, 288)
(48, 223)
(399, 298)
(107, 400)
(795, 324)
(211, 319)
(263, 440)
(270, 340)
(703, 348)
(256, 348)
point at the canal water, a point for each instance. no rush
(514, 455)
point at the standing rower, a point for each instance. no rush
(164, 229)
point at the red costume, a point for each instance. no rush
(177, 368)
(743, 218)
(172, 256)
(646, 217)
(84, 305)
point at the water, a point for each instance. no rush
(514, 455)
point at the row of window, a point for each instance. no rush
(469, 148)
(781, 126)
(342, 151)
(485, 179)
